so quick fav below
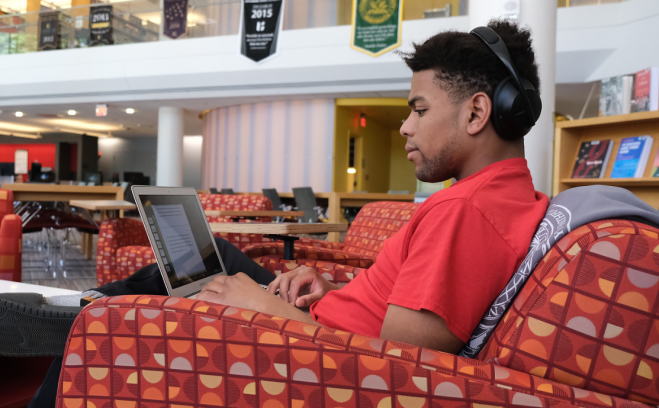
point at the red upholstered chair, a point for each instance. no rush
(123, 246)
(11, 239)
(584, 332)
(363, 242)
(115, 234)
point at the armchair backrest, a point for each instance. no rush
(235, 203)
(588, 315)
(115, 233)
(375, 223)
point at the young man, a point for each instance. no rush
(436, 278)
(433, 280)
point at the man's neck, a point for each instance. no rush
(485, 157)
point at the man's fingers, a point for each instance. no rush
(283, 288)
(274, 285)
(294, 289)
(307, 300)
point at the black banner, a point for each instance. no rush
(49, 31)
(259, 28)
(100, 25)
(176, 18)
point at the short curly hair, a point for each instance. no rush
(464, 65)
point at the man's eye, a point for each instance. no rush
(420, 111)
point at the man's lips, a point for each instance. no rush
(410, 151)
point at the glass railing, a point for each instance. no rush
(137, 21)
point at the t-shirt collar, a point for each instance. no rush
(515, 162)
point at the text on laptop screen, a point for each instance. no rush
(181, 235)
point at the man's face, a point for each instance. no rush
(431, 130)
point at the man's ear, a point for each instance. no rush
(479, 108)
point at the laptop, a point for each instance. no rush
(180, 236)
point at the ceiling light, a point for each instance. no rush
(83, 125)
(130, 111)
(352, 170)
(25, 135)
(71, 112)
(11, 127)
(19, 114)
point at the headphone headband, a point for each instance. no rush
(496, 44)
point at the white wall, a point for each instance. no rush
(192, 146)
(139, 154)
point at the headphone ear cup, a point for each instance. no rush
(509, 116)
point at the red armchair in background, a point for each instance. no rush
(363, 242)
(123, 246)
(583, 332)
(11, 239)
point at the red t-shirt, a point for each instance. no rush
(453, 258)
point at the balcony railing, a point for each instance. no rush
(137, 21)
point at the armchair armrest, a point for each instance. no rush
(162, 350)
(11, 247)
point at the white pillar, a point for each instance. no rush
(540, 17)
(169, 169)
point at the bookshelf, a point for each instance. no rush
(570, 134)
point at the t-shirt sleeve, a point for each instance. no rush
(456, 265)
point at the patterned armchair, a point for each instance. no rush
(374, 223)
(123, 246)
(583, 332)
(11, 239)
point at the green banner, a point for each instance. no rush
(376, 25)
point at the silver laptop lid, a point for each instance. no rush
(180, 237)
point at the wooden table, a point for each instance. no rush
(280, 230)
(253, 214)
(104, 205)
(55, 192)
(336, 200)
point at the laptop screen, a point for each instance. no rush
(181, 235)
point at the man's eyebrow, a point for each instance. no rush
(414, 100)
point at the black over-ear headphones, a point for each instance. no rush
(516, 104)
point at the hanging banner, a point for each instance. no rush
(376, 26)
(100, 25)
(176, 18)
(49, 31)
(260, 25)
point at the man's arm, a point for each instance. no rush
(419, 327)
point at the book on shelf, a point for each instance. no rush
(655, 166)
(616, 95)
(592, 159)
(646, 90)
(632, 157)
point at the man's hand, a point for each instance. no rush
(301, 287)
(238, 290)
(241, 291)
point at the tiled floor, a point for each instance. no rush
(78, 273)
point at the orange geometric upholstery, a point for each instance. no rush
(588, 315)
(11, 239)
(374, 223)
(334, 272)
(11, 248)
(114, 234)
(153, 351)
(130, 259)
(583, 332)
(117, 233)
